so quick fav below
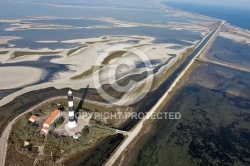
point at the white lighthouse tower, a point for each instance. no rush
(72, 123)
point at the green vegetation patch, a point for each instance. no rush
(93, 42)
(111, 122)
(113, 55)
(4, 52)
(85, 73)
(59, 121)
(23, 53)
(106, 61)
(75, 49)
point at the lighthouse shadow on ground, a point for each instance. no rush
(80, 105)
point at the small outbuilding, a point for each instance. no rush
(33, 118)
(26, 143)
(76, 135)
(46, 125)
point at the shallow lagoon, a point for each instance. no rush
(162, 35)
(91, 10)
(214, 125)
(227, 51)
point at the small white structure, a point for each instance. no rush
(76, 135)
(26, 143)
(33, 118)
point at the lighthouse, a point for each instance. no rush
(72, 121)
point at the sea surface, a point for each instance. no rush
(236, 16)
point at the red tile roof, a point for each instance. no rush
(52, 117)
(33, 117)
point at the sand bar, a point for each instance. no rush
(13, 77)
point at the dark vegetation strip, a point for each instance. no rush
(23, 53)
(75, 49)
(4, 52)
(106, 61)
(98, 154)
(114, 55)
(85, 73)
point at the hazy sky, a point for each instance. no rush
(242, 3)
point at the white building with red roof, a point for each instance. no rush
(46, 125)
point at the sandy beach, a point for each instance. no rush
(30, 25)
(5, 39)
(14, 77)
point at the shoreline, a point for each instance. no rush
(63, 79)
(12, 77)
(6, 132)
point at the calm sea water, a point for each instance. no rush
(234, 15)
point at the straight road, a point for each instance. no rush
(131, 135)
